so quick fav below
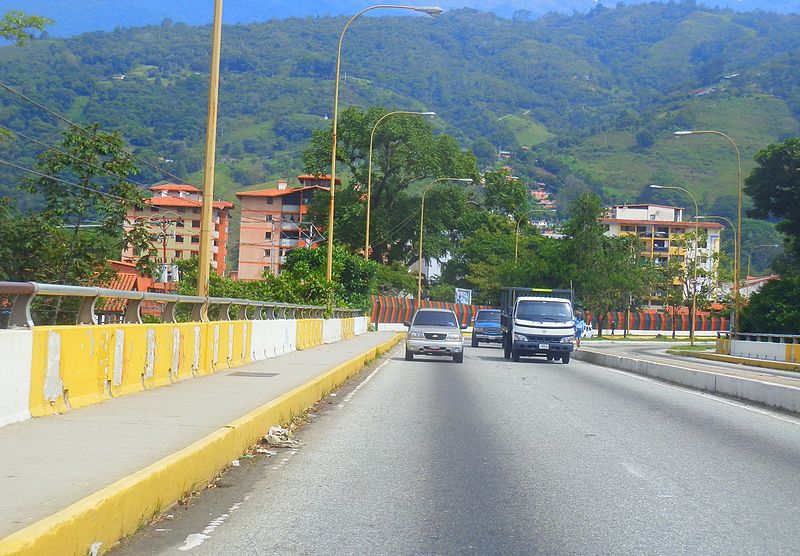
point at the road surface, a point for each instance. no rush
(495, 457)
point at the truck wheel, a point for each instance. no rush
(474, 341)
(458, 358)
(409, 356)
(549, 356)
(514, 355)
(565, 358)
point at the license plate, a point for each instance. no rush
(544, 346)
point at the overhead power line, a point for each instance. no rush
(54, 178)
(70, 122)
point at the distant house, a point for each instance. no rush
(173, 215)
(274, 221)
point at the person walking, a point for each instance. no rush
(580, 326)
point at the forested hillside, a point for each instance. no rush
(102, 15)
(595, 96)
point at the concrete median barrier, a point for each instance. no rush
(773, 395)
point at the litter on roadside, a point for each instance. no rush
(268, 453)
(235, 463)
(278, 437)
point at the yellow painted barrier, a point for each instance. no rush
(118, 510)
(309, 333)
(348, 328)
(68, 368)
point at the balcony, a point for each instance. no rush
(214, 249)
(289, 242)
(289, 226)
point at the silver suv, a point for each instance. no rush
(435, 332)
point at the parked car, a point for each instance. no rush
(588, 331)
(486, 327)
(435, 332)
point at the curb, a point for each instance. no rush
(95, 523)
(775, 396)
(763, 363)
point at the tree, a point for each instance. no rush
(18, 27)
(85, 196)
(607, 271)
(774, 308)
(406, 153)
(505, 194)
(774, 186)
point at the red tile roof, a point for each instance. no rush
(170, 201)
(277, 192)
(175, 187)
(322, 177)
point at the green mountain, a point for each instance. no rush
(595, 96)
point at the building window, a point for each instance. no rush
(215, 243)
(155, 209)
(268, 235)
(178, 239)
(179, 223)
(267, 252)
(180, 209)
(195, 211)
(195, 223)
(195, 239)
(270, 200)
(178, 254)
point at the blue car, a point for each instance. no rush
(486, 327)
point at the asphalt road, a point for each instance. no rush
(495, 457)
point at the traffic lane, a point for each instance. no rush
(535, 457)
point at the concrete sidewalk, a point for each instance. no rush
(51, 464)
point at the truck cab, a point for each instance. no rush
(537, 324)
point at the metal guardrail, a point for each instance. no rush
(24, 293)
(772, 338)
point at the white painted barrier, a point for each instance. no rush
(16, 347)
(392, 327)
(272, 338)
(331, 331)
(360, 325)
(770, 351)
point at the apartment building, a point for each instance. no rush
(662, 230)
(173, 214)
(273, 221)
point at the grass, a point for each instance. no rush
(696, 347)
(526, 130)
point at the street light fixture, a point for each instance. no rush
(694, 279)
(421, 222)
(738, 254)
(432, 11)
(751, 254)
(516, 232)
(369, 171)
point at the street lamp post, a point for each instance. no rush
(735, 236)
(207, 209)
(694, 278)
(516, 232)
(369, 170)
(421, 229)
(738, 254)
(751, 254)
(428, 10)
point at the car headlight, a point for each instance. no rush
(454, 336)
(416, 335)
(567, 339)
(520, 337)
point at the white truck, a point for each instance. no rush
(537, 321)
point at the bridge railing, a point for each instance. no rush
(22, 295)
(758, 345)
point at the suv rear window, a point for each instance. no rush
(435, 318)
(488, 316)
